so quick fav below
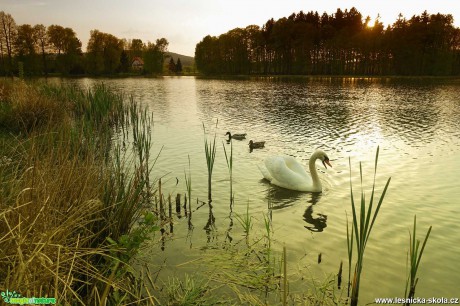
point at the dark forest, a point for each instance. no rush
(343, 43)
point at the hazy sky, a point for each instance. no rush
(185, 22)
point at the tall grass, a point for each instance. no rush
(362, 225)
(210, 152)
(71, 209)
(229, 160)
(415, 255)
(245, 221)
(188, 182)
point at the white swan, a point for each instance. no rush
(287, 172)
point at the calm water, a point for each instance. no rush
(416, 124)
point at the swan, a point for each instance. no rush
(287, 172)
(235, 136)
(256, 145)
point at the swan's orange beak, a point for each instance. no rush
(326, 161)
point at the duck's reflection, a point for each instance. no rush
(318, 222)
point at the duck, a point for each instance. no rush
(235, 136)
(256, 145)
(289, 173)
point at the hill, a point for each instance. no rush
(184, 59)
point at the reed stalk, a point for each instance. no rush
(361, 228)
(245, 221)
(229, 160)
(188, 184)
(210, 151)
(414, 257)
(285, 289)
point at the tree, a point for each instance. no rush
(124, 61)
(178, 66)
(56, 38)
(66, 46)
(154, 54)
(136, 48)
(25, 47)
(172, 65)
(41, 40)
(8, 32)
(104, 53)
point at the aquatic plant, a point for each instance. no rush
(210, 151)
(414, 257)
(245, 221)
(229, 160)
(63, 182)
(188, 181)
(361, 228)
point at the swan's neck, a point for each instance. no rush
(314, 174)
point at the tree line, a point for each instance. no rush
(40, 50)
(343, 43)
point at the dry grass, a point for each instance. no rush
(24, 109)
(59, 202)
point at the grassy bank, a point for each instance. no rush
(71, 207)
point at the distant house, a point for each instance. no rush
(137, 64)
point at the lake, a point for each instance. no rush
(415, 122)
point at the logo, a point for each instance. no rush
(13, 297)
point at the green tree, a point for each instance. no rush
(124, 61)
(66, 47)
(103, 53)
(154, 55)
(25, 48)
(172, 65)
(41, 40)
(178, 66)
(136, 48)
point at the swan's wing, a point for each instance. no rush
(265, 173)
(287, 172)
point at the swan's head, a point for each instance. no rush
(321, 155)
(228, 133)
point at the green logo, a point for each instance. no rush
(13, 297)
(8, 295)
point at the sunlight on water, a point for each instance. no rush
(416, 123)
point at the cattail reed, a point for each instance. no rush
(361, 231)
(414, 260)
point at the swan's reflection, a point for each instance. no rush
(280, 197)
(316, 223)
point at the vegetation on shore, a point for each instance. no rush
(71, 207)
(343, 43)
(36, 50)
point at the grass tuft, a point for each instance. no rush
(361, 228)
(71, 209)
(415, 255)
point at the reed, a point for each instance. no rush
(188, 184)
(65, 195)
(229, 160)
(415, 255)
(285, 279)
(361, 228)
(210, 151)
(245, 221)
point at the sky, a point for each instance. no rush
(184, 23)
